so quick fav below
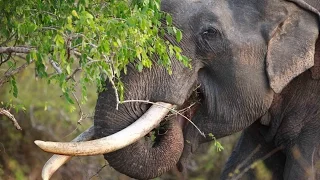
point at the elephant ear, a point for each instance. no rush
(291, 48)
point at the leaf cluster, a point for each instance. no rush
(95, 40)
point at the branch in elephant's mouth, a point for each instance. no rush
(184, 115)
(189, 108)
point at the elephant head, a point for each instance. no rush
(243, 52)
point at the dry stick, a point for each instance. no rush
(11, 117)
(144, 101)
(80, 108)
(98, 171)
(248, 158)
(55, 66)
(254, 164)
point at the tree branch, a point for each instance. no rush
(7, 75)
(9, 50)
(55, 66)
(73, 74)
(8, 40)
(11, 117)
(79, 55)
(81, 114)
(7, 59)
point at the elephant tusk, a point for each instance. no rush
(56, 161)
(148, 121)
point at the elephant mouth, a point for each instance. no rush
(152, 124)
(183, 115)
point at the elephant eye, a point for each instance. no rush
(209, 33)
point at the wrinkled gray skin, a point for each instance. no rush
(294, 129)
(244, 53)
(252, 147)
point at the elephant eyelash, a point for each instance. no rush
(210, 33)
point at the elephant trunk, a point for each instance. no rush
(149, 158)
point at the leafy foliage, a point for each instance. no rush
(217, 144)
(96, 39)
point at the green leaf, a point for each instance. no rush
(169, 19)
(28, 58)
(59, 40)
(88, 15)
(140, 67)
(75, 14)
(67, 96)
(72, 108)
(178, 35)
(14, 88)
(11, 64)
(68, 68)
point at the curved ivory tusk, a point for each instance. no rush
(148, 121)
(56, 161)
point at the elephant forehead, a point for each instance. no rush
(196, 13)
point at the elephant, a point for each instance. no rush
(253, 61)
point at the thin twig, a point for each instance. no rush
(98, 171)
(50, 28)
(4, 149)
(79, 55)
(71, 132)
(7, 75)
(8, 40)
(19, 55)
(91, 61)
(254, 164)
(171, 109)
(248, 157)
(184, 109)
(46, 12)
(81, 114)
(7, 59)
(115, 92)
(73, 74)
(113, 85)
(11, 117)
